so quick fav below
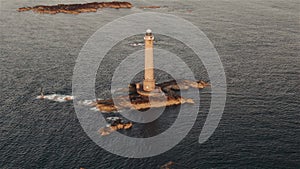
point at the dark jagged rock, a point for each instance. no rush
(116, 124)
(167, 165)
(76, 8)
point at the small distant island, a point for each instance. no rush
(75, 8)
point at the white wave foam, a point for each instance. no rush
(94, 109)
(56, 97)
(136, 44)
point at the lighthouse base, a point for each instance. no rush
(149, 85)
(156, 91)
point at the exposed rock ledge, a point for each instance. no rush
(140, 102)
(116, 124)
(76, 8)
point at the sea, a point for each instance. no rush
(258, 43)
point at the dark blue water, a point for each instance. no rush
(258, 43)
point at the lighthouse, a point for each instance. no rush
(149, 81)
(148, 87)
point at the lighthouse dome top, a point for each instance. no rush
(148, 32)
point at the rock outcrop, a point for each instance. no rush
(169, 97)
(167, 165)
(76, 8)
(116, 124)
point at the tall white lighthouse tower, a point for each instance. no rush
(149, 81)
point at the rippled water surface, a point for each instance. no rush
(258, 43)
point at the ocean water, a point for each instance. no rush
(258, 43)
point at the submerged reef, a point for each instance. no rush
(76, 8)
